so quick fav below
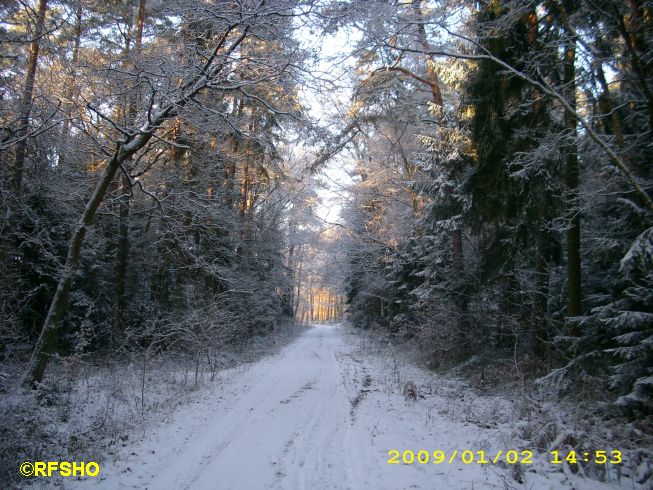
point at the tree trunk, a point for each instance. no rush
(630, 27)
(612, 124)
(10, 241)
(572, 171)
(230, 168)
(541, 287)
(25, 107)
(47, 339)
(124, 201)
(539, 320)
(299, 280)
(122, 259)
(65, 131)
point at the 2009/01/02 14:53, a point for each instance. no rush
(511, 457)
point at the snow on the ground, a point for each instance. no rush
(323, 414)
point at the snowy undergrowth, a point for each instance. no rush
(512, 415)
(87, 411)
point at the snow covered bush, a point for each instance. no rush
(630, 319)
(618, 335)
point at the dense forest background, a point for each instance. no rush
(164, 127)
(501, 217)
(160, 170)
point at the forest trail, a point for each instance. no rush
(319, 415)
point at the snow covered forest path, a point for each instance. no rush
(321, 414)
